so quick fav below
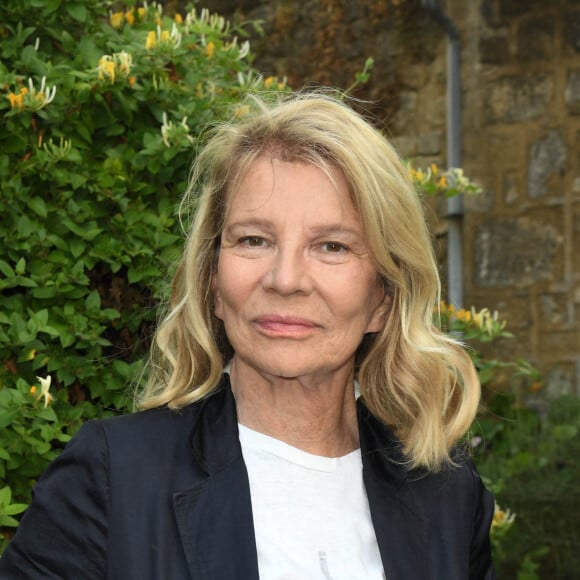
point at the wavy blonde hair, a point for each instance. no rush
(412, 377)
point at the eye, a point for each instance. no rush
(252, 241)
(333, 247)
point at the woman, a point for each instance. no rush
(307, 267)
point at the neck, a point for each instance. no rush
(317, 415)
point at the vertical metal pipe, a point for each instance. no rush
(454, 204)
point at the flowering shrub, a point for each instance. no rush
(101, 112)
(451, 182)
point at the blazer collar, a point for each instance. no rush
(401, 530)
(214, 516)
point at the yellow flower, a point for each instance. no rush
(209, 49)
(32, 390)
(124, 62)
(151, 41)
(434, 169)
(165, 36)
(44, 388)
(130, 17)
(131, 81)
(141, 12)
(463, 315)
(241, 110)
(179, 19)
(15, 101)
(268, 82)
(419, 175)
(107, 68)
(501, 518)
(442, 181)
(117, 19)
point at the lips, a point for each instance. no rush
(285, 326)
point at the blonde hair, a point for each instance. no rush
(412, 377)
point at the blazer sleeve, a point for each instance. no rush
(63, 533)
(480, 562)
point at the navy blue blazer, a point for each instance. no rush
(164, 495)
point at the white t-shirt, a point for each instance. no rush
(311, 513)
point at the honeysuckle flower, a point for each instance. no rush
(107, 68)
(39, 98)
(151, 40)
(241, 110)
(37, 43)
(165, 37)
(124, 62)
(244, 50)
(502, 519)
(209, 49)
(116, 19)
(171, 132)
(17, 100)
(110, 66)
(44, 390)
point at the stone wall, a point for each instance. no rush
(521, 134)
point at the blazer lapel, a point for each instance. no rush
(214, 517)
(402, 533)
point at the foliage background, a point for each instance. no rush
(102, 108)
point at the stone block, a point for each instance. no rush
(514, 252)
(429, 144)
(406, 146)
(572, 30)
(494, 49)
(406, 110)
(560, 380)
(518, 98)
(555, 310)
(509, 8)
(535, 39)
(511, 188)
(572, 92)
(546, 158)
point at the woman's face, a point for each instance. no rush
(295, 284)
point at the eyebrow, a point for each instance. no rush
(317, 230)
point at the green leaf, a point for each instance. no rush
(77, 11)
(93, 301)
(8, 522)
(20, 266)
(6, 269)
(37, 205)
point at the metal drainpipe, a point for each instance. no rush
(454, 204)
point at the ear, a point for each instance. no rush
(379, 316)
(217, 299)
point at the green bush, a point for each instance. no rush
(534, 463)
(101, 112)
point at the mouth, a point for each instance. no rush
(285, 326)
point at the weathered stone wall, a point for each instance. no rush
(521, 133)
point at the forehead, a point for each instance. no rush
(270, 183)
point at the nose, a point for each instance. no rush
(288, 273)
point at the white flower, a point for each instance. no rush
(44, 388)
